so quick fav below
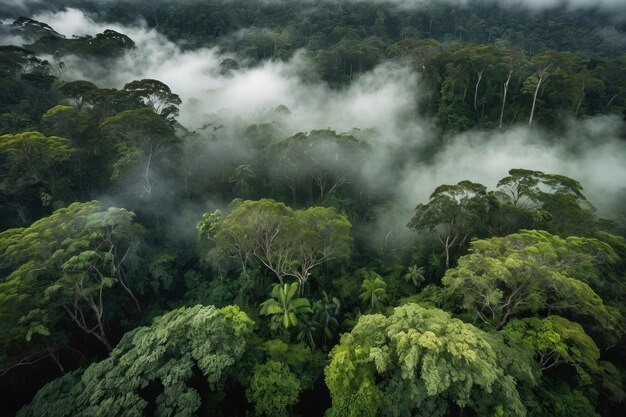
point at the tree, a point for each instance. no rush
(153, 368)
(273, 390)
(320, 235)
(420, 361)
(373, 292)
(556, 202)
(480, 58)
(65, 264)
(78, 91)
(415, 275)
(240, 180)
(30, 160)
(557, 342)
(137, 135)
(287, 242)
(532, 272)
(284, 306)
(509, 62)
(256, 230)
(455, 212)
(323, 321)
(545, 62)
(157, 95)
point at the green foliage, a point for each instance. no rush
(555, 201)
(430, 296)
(555, 341)
(307, 364)
(209, 224)
(415, 275)
(165, 353)
(31, 163)
(455, 212)
(108, 44)
(287, 242)
(156, 95)
(284, 306)
(418, 360)
(79, 91)
(373, 292)
(531, 272)
(547, 285)
(64, 264)
(273, 390)
(556, 399)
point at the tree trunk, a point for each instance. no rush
(532, 110)
(506, 90)
(480, 77)
(541, 73)
(611, 100)
(447, 246)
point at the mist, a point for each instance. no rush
(384, 100)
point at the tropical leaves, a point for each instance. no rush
(373, 293)
(284, 306)
(415, 275)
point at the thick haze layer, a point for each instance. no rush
(590, 150)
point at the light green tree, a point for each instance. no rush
(556, 341)
(273, 390)
(532, 272)
(167, 352)
(421, 361)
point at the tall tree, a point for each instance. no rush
(157, 95)
(454, 212)
(138, 136)
(65, 264)
(287, 242)
(532, 272)
(33, 163)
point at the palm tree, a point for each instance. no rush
(373, 293)
(283, 305)
(415, 275)
(322, 324)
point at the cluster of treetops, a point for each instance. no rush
(505, 302)
(480, 66)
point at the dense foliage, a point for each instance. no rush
(248, 267)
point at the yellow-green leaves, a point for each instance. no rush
(531, 271)
(273, 390)
(418, 360)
